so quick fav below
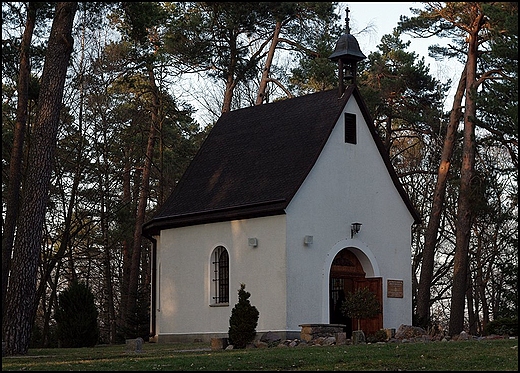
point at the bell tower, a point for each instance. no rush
(347, 53)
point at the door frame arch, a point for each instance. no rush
(365, 257)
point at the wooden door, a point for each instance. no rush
(375, 285)
(345, 268)
(347, 275)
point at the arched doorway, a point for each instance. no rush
(347, 275)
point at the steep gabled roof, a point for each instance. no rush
(255, 159)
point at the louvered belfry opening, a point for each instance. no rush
(347, 54)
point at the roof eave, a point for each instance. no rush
(255, 210)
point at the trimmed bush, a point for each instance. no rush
(360, 304)
(243, 320)
(76, 317)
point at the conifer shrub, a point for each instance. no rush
(76, 317)
(502, 326)
(243, 320)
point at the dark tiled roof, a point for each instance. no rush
(253, 161)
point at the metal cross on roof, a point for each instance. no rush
(347, 28)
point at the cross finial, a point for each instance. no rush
(346, 21)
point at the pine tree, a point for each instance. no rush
(243, 320)
(76, 317)
(21, 292)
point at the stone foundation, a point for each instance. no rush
(207, 337)
(313, 331)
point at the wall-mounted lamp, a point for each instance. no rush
(307, 240)
(354, 229)
(252, 241)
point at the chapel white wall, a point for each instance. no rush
(349, 183)
(184, 288)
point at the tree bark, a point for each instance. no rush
(430, 237)
(482, 277)
(15, 164)
(107, 257)
(267, 68)
(230, 76)
(126, 244)
(472, 308)
(464, 211)
(228, 93)
(135, 266)
(22, 282)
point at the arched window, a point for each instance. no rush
(220, 263)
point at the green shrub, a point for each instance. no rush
(76, 317)
(360, 304)
(502, 326)
(243, 320)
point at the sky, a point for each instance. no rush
(384, 16)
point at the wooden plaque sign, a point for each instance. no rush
(394, 288)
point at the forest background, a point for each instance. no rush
(95, 137)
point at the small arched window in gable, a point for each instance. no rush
(220, 264)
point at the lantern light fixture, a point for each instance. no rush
(354, 229)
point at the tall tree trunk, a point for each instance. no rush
(464, 211)
(482, 278)
(230, 78)
(46, 335)
(126, 245)
(430, 237)
(107, 259)
(228, 94)
(21, 292)
(15, 164)
(133, 292)
(267, 68)
(472, 307)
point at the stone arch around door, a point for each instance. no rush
(352, 267)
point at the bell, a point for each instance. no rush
(349, 72)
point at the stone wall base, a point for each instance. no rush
(207, 337)
(313, 331)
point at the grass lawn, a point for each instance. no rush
(484, 355)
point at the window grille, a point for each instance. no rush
(221, 275)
